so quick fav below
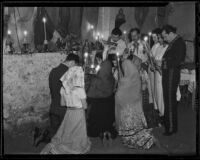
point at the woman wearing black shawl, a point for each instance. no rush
(101, 100)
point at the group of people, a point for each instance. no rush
(112, 105)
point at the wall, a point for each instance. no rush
(107, 15)
(183, 18)
(25, 83)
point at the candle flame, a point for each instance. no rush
(117, 53)
(44, 19)
(92, 66)
(92, 27)
(145, 38)
(86, 55)
(149, 33)
(9, 32)
(25, 33)
(124, 32)
(97, 68)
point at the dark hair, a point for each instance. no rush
(130, 57)
(157, 31)
(116, 31)
(168, 28)
(99, 55)
(72, 57)
(133, 30)
(112, 57)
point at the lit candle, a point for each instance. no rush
(92, 66)
(92, 27)
(149, 37)
(145, 38)
(125, 36)
(85, 57)
(98, 34)
(9, 32)
(25, 34)
(45, 38)
(97, 68)
(102, 36)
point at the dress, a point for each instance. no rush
(158, 80)
(130, 120)
(152, 76)
(101, 115)
(71, 137)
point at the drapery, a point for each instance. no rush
(39, 27)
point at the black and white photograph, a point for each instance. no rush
(94, 78)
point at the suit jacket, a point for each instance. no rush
(55, 85)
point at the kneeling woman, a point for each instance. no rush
(130, 120)
(71, 137)
(101, 100)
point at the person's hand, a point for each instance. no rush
(84, 103)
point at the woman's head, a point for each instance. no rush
(155, 35)
(99, 57)
(72, 60)
(113, 59)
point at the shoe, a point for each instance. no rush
(168, 133)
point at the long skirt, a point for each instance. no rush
(101, 116)
(71, 137)
(132, 126)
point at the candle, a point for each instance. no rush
(92, 27)
(145, 38)
(149, 37)
(98, 34)
(97, 68)
(45, 38)
(25, 34)
(92, 66)
(125, 36)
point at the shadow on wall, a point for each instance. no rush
(25, 85)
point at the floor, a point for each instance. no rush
(182, 143)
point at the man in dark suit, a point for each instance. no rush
(57, 112)
(171, 66)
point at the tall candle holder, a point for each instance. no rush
(45, 36)
(85, 60)
(149, 38)
(9, 43)
(25, 44)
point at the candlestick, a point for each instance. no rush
(25, 34)
(45, 37)
(125, 37)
